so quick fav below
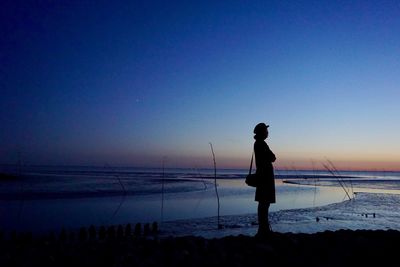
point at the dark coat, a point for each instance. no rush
(265, 172)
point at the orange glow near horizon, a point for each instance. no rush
(351, 165)
(298, 164)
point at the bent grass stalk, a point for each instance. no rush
(331, 171)
(337, 171)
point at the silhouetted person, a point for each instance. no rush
(265, 190)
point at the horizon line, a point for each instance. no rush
(105, 166)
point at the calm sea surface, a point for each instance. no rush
(49, 198)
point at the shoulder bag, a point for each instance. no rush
(251, 178)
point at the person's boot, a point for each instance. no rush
(264, 230)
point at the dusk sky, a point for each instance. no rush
(129, 83)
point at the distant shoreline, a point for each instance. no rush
(125, 167)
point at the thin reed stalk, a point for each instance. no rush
(162, 190)
(315, 182)
(116, 175)
(215, 182)
(19, 174)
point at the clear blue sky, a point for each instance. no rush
(128, 83)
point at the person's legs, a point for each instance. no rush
(263, 222)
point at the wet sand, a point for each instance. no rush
(329, 248)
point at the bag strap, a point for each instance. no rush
(251, 163)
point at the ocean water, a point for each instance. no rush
(50, 198)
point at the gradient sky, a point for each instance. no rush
(129, 83)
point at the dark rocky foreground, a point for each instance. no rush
(118, 247)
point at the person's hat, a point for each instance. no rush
(260, 127)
